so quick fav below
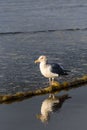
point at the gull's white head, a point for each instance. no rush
(41, 59)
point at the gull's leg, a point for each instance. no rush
(50, 82)
(51, 95)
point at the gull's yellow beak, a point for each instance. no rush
(36, 61)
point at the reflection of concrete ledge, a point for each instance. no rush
(56, 87)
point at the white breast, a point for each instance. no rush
(46, 71)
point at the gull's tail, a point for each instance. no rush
(66, 72)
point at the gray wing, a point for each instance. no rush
(56, 68)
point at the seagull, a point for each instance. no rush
(52, 70)
(51, 104)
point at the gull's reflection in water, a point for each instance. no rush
(51, 104)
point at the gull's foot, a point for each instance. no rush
(55, 83)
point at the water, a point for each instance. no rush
(29, 29)
(18, 72)
(28, 15)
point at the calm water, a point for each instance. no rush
(29, 29)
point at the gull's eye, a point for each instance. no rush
(41, 57)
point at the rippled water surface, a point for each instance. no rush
(18, 72)
(28, 29)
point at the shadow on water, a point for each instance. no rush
(50, 105)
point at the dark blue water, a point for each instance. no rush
(18, 72)
(28, 29)
(35, 15)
